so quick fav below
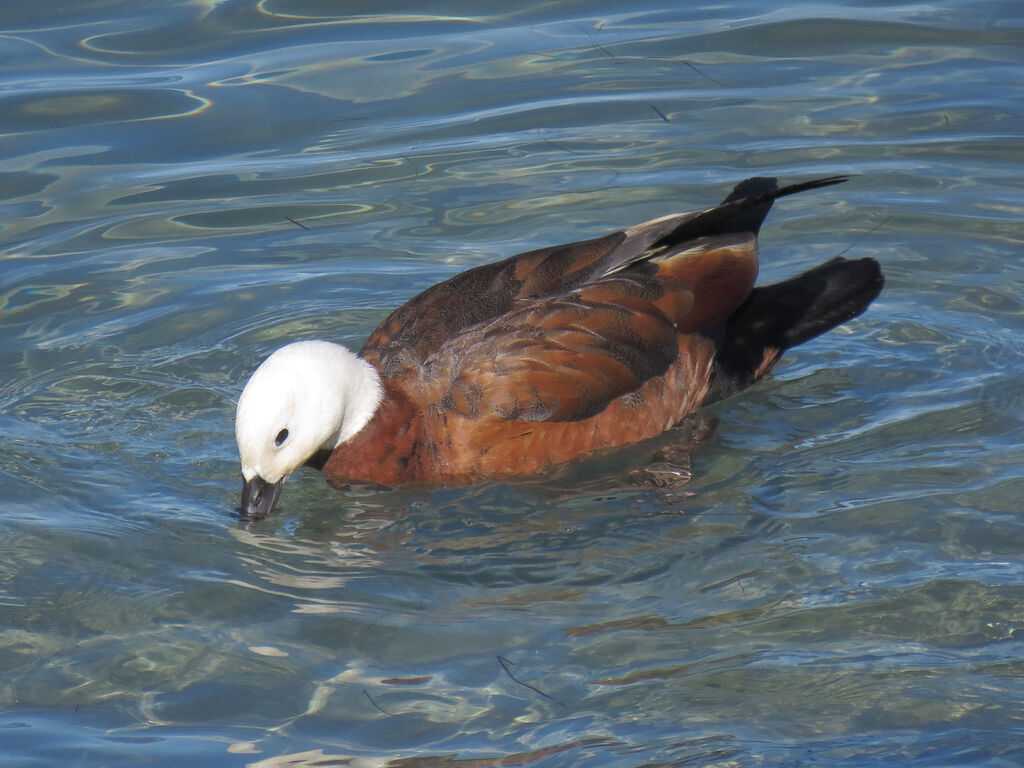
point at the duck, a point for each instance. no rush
(514, 367)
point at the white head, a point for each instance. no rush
(307, 396)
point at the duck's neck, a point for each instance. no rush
(391, 449)
(359, 390)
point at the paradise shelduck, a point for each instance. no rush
(522, 364)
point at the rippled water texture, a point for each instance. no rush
(187, 185)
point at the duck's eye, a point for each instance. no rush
(281, 437)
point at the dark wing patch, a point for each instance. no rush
(422, 325)
(563, 358)
(417, 329)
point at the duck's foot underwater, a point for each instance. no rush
(671, 467)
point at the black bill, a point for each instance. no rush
(259, 497)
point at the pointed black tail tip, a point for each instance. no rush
(767, 187)
(803, 186)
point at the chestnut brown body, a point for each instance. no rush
(529, 362)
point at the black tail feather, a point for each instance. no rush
(743, 210)
(748, 219)
(779, 316)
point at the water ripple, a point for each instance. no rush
(185, 188)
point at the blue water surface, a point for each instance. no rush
(185, 186)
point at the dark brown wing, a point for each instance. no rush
(566, 357)
(562, 358)
(420, 327)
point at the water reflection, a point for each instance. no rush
(187, 188)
